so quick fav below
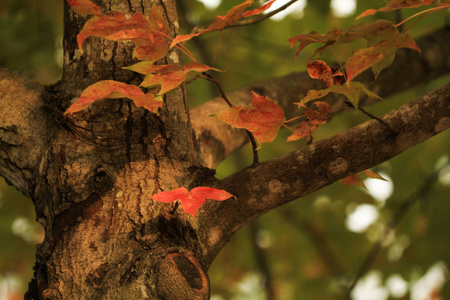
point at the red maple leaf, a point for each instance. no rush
(264, 120)
(148, 33)
(319, 69)
(115, 89)
(314, 118)
(84, 7)
(167, 76)
(191, 201)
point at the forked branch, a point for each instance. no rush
(301, 172)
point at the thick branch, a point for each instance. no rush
(410, 69)
(298, 173)
(24, 130)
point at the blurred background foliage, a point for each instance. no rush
(310, 248)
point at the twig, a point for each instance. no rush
(398, 215)
(370, 115)
(261, 17)
(261, 260)
(224, 97)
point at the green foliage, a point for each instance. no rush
(31, 33)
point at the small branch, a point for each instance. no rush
(261, 17)
(370, 115)
(218, 140)
(401, 211)
(283, 179)
(216, 82)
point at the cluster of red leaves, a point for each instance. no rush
(313, 119)
(263, 121)
(191, 201)
(383, 40)
(150, 33)
(147, 33)
(220, 22)
(150, 36)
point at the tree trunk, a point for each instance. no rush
(90, 175)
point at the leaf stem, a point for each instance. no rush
(288, 127)
(293, 119)
(180, 47)
(370, 115)
(427, 11)
(217, 48)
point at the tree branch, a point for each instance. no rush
(24, 130)
(217, 139)
(280, 180)
(261, 18)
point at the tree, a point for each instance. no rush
(90, 174)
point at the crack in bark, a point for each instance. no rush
(128, 132)
(130, 7)
(144, 134)
(156, 176)
(142, 7)
(113, 63)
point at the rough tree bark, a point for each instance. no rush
(90, 174)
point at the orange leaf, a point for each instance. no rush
(351, 90)
(220, 22)
(318, 117)
(378, 56)
(304, 130)
(336, 36)
(115, 27)
(372, 174)
(319, 69)
(84, 7)
(264, 120)
(167, 76)
(355, 179)
(148, 36)
(193, 200)
(114, 89)
(315, 118)
(258, 10)
(361, 60)
(148, 67)
(395, 4)
(313, 37)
